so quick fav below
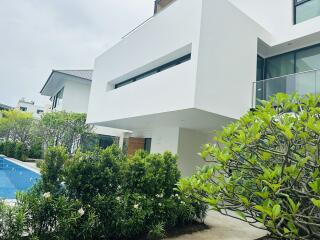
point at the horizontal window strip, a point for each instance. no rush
(156, 70)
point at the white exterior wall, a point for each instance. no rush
(186, 143)
(165, 139)
(163, 38)
(76, 96)
(190, 143)
(277, 17)
(227, 59)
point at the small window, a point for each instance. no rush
(147, 144)
(23, 109)
(58, 99)
(155, 70)
(305, 10)
(39, 111)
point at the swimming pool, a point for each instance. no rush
(14, 178)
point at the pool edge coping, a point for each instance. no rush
(21, 164)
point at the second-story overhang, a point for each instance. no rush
(217, 79)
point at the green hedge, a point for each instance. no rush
(105, 195)
(20, 151)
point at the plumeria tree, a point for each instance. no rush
(64, 129)
(16, 126)
(265, 168)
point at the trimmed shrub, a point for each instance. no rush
(92, 173)
(129, 196)
(266, 168)
(1, 147)
(35, 150)
(97, 195)
(21, 152)
(12, 221)
(9, 149)
(52, 169)
(50, 216)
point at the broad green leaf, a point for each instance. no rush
(276, 210)
(316, 202)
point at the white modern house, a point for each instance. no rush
(197, 65)
(69, 91)
(29, 106)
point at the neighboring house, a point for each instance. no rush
(69, 91)
(5, 107)
(30, 107)
(196, 66)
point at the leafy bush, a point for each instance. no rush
(21, 151)
(157, 232)
(266, 167)
(63, 129)
(97, 195)
(50, 216)
(12, 222)
(152, 174)
(9, 149)
(92, 173)
(35, 150)
(52, 168)
(1, 147)
(128, 196)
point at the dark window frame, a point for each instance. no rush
(297, 3)
(156, 70)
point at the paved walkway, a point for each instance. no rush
(224, 228)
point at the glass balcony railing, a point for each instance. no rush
(301, 83)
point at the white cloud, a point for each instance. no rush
(40, 35)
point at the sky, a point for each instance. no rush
(37, 36)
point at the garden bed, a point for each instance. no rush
(187, 229)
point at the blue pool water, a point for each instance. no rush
(14, 178)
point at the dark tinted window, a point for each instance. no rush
(280, 65)
(155, 70)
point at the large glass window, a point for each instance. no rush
(306, 9)
(298, 61)
(290, 72)
(280, 65)
(308, 59)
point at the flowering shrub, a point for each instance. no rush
(128, 195)
(105, 195)
(12, 222)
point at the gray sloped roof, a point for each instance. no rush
(3, 106)
(86, 74)
(51, 81)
